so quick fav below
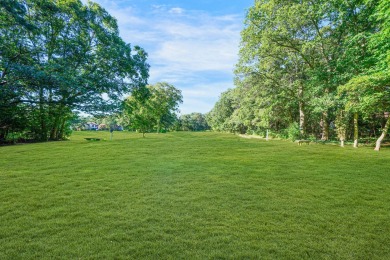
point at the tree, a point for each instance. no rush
(367, 93)
(293, 57)
(63, 56)
(296, 46)
(341, 126)
(219, 116)
(373, 95)
(139, 112)
(164, 100)
(13, 27)
(153, 106)
(193, 122)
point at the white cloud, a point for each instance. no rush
(127, 18)
(198, 56)
(202, 97)
(185, 47)
(191, 105)
(193, 48)
(207, 90)
(176, 10)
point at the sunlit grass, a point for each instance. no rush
(192, 195)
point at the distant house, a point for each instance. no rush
(91, 126)
(103, 127)
(112, 127)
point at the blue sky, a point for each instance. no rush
(192, 44)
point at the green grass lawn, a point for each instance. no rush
(192, 196)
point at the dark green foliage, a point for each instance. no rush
(62, 56)
(296, 57)
(219, 116)
(152, 107)
(139, 113)
(293, 132)
(193, 122)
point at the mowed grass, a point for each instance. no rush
(192, 196)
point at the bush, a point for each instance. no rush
(293, 132)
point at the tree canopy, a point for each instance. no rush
(153, 107)
(58, 57)
(313, 63)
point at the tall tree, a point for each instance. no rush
(165, 100)
(68, 60)
(367, 92)
(219, 116)
(153, 106)
(294, 55)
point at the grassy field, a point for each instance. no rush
(192, 196)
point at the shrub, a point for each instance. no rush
(293, 131)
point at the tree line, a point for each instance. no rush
(155, 109)
(58, 58)
(151, 109)
(62, 58)
(311, 69)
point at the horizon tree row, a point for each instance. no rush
(309, 68)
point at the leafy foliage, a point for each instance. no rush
(306, 62)
(62, 56)
(152, 107)
(193, 122)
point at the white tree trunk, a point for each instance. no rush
(342, 143)
(355, 130)
(384, 132)
(301, 111)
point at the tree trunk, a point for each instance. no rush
(59, 119)
(301, 112)
(384, 132)
(158, 127)
(342, 143)
(301, 119)
(51, 114)
(54, 129)
(61, 132)
(42, 116)
(355, 130)
(325, 126)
